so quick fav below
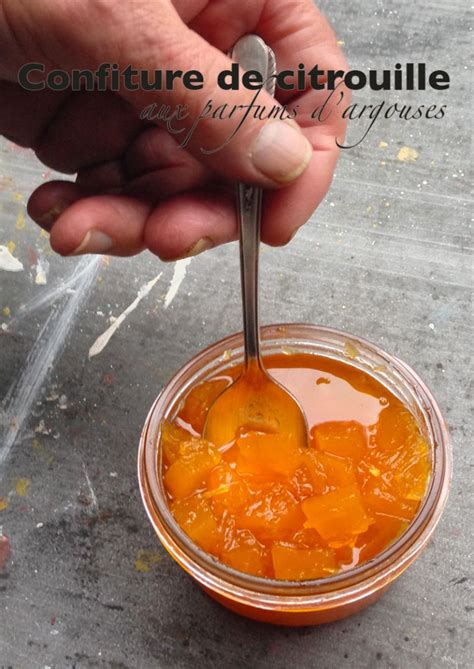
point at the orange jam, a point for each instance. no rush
(270, 507)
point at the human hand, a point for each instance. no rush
(135, 187)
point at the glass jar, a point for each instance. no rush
(298, 602)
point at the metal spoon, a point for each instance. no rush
(254, 401)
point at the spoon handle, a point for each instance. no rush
(252, 53)
(249, 209)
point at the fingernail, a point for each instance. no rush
(46, 220)
(281, 151)
(94, 241)
(203, 244)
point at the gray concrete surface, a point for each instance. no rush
(386, 256)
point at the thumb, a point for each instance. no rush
(228, 130)
(149, 35)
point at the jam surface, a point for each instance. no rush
(269, 507)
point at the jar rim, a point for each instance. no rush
(351, 584)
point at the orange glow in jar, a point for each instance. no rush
(289, 534)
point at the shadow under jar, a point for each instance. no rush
(309, 602)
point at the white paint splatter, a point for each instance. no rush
(8, 262)
(102, 341)
(48, 345)
(57, 291)
(42, 269)
(42, 429)
(95, 503)
(178, 276)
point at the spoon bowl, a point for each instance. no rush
(254, 402)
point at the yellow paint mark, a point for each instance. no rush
(145, 560)
(3, 503)
(6, 311)
(20, 220)
(382, 144)
(374, 471)
(407, 154)
(22, 487)
(43, 233)
(42, 452)
(350, 350)
(369, 209)
(17, 197)
(340, 42)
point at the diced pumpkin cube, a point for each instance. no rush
(273, 513)
(338, 516)
(246, 554)
(381, 497)
(413, 469)
(298, 564)
(265, 454)
(301, 484)
(395, 428)
(346, 439)
(368, 470)
(195, 516)
(339, 472)
(226, 491)
(316, 471)
(306, 537)
(189, 472)
(171, 437)
(379, 536)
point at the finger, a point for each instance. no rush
(50, 200)
(77, 138)
(164, 183)
(102, 178)
(285, 211)
(189, 10)
(302, 35)
(222, 26)
(25, 114)
(118, 225)
(153, 149)
(112, 224)
(158, 168)
(191, 223)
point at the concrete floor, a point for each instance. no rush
(386, 257)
